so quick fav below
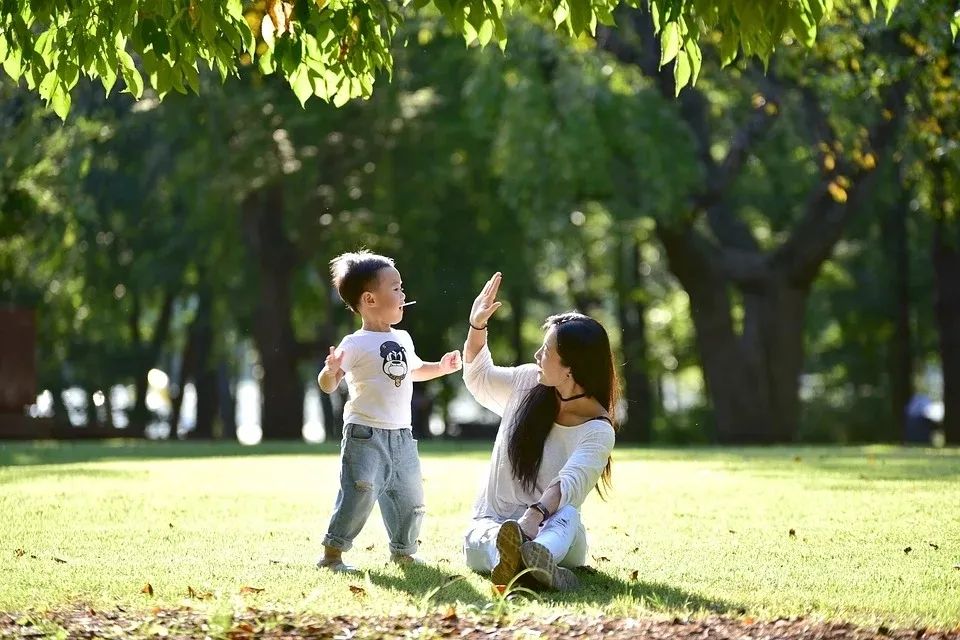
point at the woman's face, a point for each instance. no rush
(552, 370)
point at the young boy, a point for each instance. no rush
(378, 455)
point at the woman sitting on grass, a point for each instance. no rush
(552, 448)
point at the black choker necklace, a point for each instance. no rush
(576, 397)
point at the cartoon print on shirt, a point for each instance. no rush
(394, 361)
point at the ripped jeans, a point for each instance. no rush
(378, 466)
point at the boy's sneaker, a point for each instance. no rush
(337, 566)
(509, 539)
(545, 569)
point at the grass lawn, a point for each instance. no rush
(863, 535)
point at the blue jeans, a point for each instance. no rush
(382, 466)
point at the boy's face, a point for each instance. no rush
(384, 300)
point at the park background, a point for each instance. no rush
(775, 251)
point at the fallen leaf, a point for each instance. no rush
(957, 566)
(147, 589)
(190, 592)
(731, 530)
(601, 558)
(635, 549)
(170, 524)
(60, 560)
(19, 553)
(749, 620)
(370, 548)
(246, 627)
(634, 574)
(936, 547)
(253, 590)
(451, 613)
(33, 556)
(908, 550)
(358, 591)
(793, 533)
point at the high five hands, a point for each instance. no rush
(486, 303)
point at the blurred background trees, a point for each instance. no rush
(776, 251)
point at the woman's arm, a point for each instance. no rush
(532, 518)
(483, 308)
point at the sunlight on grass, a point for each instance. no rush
(866, 535)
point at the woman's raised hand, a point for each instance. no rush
(486, 302)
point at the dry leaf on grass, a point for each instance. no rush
(147, 589)
(360, 592)
(451, 613)
(907, 550)
(19, 553)
(634, 574)
(793, 533)
(254, 590)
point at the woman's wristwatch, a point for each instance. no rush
(536, 506)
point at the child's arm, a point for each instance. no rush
(449, 363)
(332, 373)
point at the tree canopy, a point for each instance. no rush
(334, 49)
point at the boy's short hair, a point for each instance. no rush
(353, 272)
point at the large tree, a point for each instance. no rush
(334, 49)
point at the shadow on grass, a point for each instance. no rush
(430, 585)
(600, 589)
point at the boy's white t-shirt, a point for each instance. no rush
(378, 365)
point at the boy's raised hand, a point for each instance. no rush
(334, 361)
(486, 302)
(450, 362)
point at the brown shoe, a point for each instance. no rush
(545, 569)
(509, 539)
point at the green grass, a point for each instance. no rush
(704, 530)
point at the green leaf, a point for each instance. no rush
(669, 42)
(48, 85)
(69, 75)
(61, 102)
(485, 33)
(729, 46)
(301, 84)
(803, 25)
(955, 24)
(3, 47)
(580, 15)
(681, 72)
(695, 56)
(12, 65)
(131, 77)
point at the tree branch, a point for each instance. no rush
(814, 238)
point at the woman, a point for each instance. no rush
(552, 448)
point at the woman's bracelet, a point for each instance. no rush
(472, 326)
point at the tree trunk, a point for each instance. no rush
(946, 265)
(228, 403)
(751, 378)
(631, 312)
(282, 389)
(205, 372)
(900, 356)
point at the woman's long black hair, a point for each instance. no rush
(583, 345)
